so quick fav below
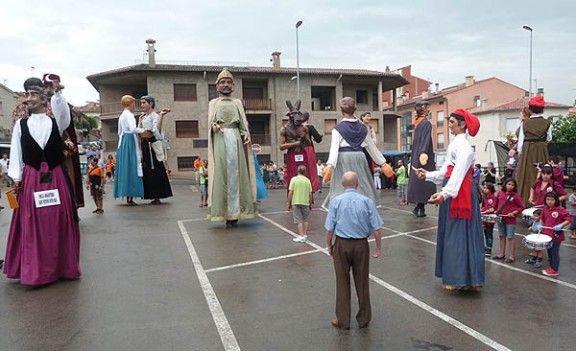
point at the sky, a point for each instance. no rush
(443, 40)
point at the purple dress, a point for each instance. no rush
(43, 243)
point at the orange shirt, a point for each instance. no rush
(95, 171)
(109, 166)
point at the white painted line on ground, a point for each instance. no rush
(193, 220)
(260, 261)
(455, 323)
(446, 318)
(226, 334)
(406, 211)
(536, 275)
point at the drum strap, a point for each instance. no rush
(505, 203)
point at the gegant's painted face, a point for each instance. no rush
(225, 86)
(35, 101)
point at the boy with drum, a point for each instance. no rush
(553, 220)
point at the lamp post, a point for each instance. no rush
(528, 28)
(298, 24)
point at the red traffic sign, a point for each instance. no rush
(256, 148)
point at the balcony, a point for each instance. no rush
(113, 109)
(258, 104)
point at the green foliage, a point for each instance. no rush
(564, 130)
(86, 122)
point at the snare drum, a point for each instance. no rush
(491, 218)
(528, 213)
(537, 241)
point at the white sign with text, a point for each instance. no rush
(47, 198)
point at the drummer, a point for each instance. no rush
(510, 204)
(545, 184)
(488, 207)
(554, 218)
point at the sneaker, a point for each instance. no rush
(300, 239)
(550, 272)
(538, 263)
(531, 260)
(488, 253)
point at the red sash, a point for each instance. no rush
(461, 205)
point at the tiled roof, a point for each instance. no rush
(398, 79)
(247, 69)
(514, 105)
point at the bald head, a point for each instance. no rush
(350, 180)
(347, 106)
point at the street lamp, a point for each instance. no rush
(528, 28)
(298, 24)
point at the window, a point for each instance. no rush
(440, 119)
(184, 92)
(212, 92)
(323, 98)
(186, 163)
(186, 129)
(1, 111)
(329, 124)
(440, 141)
(361, 96)
(200, 143)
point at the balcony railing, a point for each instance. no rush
(116, 108)
(258, 104)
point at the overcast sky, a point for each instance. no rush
(443, 40)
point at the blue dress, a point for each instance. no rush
(261, 191)
(127, 182)
(460, 246)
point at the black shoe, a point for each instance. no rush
(1, 263)
(488, 253)
(530, 260)
(416, 211)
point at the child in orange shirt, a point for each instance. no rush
(96, 184)
(110, 164)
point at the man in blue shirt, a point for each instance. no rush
(352, 217)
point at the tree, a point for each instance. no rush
(564, 130)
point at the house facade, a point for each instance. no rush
(7, 105)
(498, 121)
(187, 89)
(483, 94)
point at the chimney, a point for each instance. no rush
(526, 94)
(437, 85)
(540, 92)
(469, 80)
(276, 59)
(151, 52)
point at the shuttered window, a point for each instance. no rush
(329, 124)
(185, 92)
(187, 129)
(186, 163)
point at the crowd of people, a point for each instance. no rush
(232, 182)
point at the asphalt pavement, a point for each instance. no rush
(164, 278)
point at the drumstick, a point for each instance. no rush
(561, 230)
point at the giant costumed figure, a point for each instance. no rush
(422, 157)
(231, 170)
(295, 138)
